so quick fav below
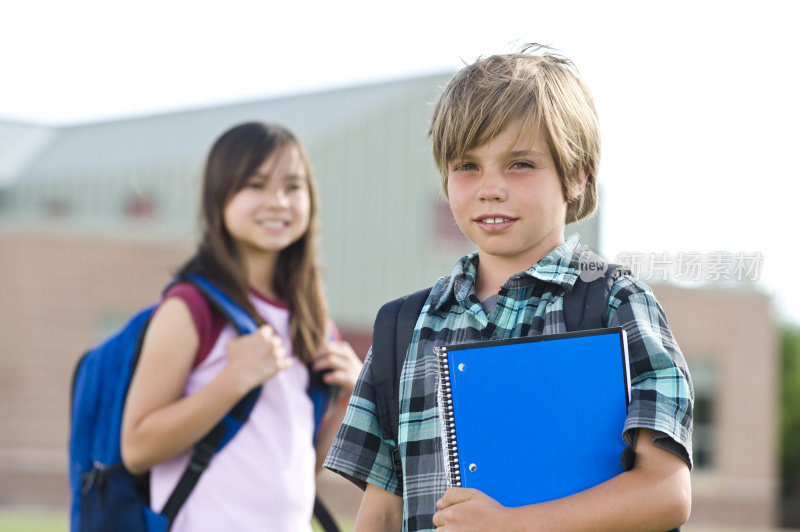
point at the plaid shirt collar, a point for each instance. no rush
(559, 267)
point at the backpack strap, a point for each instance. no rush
(235, 314)
(324, 517)
(586, 305)
(391, 336)
(215, 440)
(227, 428)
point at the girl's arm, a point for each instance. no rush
(654, 495)
(159, 422)
(344, 366)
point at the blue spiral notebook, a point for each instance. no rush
(533, 419)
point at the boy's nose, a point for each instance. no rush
(492, 186)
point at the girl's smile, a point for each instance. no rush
(274, 226)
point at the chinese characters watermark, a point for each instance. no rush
(693, 266)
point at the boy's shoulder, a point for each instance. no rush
(626, 285)
(587, 265)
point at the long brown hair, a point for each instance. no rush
(231, 162)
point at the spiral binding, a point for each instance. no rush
(447, 418)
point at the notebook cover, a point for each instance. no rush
(533, 419)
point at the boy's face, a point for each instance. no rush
(506, 197)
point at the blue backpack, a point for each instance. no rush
(104, 495)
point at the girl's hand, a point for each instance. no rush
(343, 363)
(464, 509)
(256, 357)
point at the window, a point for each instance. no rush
(56, 208)
(704, 376)
(140, 207)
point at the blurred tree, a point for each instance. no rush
(790, 424)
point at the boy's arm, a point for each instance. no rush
(654, 495)
(362, 455)
(380, 511)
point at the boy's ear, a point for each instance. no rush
(579, 184)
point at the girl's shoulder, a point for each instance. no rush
(208, 321)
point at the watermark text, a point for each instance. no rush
(693, 266)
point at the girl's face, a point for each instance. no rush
(273, 209)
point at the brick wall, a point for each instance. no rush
(56, 296)
(734, 332)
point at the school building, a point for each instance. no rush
(95, 217)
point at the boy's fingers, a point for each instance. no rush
(454, 496)
(438, 520)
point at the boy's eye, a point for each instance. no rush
(464, 167)
(522, 164)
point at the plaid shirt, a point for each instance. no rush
(530, 303)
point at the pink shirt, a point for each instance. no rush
(264, 478)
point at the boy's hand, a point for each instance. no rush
(256, 357)
(464, 509)
(343, 363)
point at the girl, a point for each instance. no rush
(259, 244)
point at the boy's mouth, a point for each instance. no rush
(494, 220)
(494, 223)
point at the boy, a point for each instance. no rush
(516, 140)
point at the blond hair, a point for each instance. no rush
(542, 89)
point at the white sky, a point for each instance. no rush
(698, 100)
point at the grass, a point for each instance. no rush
(48, 521)
(32, 521)
(346, 525)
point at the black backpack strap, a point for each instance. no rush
(391, 336)
(586, 305)
(226, 429)
(204, 450)
(324, 517)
